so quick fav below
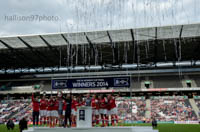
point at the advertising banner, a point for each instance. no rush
(105, 82)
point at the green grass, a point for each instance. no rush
(171, 127)
(179, 128)
(161, 127)
(3, 128)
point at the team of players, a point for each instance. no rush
(59, 110)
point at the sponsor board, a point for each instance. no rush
(165, 122)
(186, 122)
(105, 82)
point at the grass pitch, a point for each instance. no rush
(3, 128)
(161, 127)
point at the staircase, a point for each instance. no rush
(194, 107)
(148, 107)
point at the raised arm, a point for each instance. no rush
(33, 97)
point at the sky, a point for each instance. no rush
(22, 17)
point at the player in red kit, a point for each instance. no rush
(113, 110)
(103, 109)
(80, 102)
(74, 110)
(50, 105)
(55, 111)
(43, 110)
(95, 110)
(36, 108)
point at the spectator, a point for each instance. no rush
(10, 124)
(23, 124)
(172, 109)
(154, 123)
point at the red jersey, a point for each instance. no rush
(74, 105)
(95, 103)
(50, 105)
(102, 103)
(112, 103)
(80, 104)
(55, 105)
(43, 104)
(36, 104)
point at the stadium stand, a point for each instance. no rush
(163, 108)
(15, 109)
(175, 108)
(131, 109)
(197, 101)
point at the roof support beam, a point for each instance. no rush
(89, 41)
(45, 42)
(39, 55)
(181, 31)
(114, 50)
(5, 44)
(67, 41)
(109, 37)
(69, 47)
(92, 49)
(134, 46)
(156, 46)
(55, 51)
(179, 44)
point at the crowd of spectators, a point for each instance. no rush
(169, 108)
(131, 109)
(14, 109)
(197, 101)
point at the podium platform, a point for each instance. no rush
(84, 124)
(84, 117)
(93, 129)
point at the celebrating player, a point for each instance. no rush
(50, 105)
(95, 112)
(113, 110)
(74, 110)
(43, 110)
(102, 108)
(36, 108)
(55, 111)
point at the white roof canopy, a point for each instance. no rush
(99, 37)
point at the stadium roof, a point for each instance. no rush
(108, 48)
(99, 37)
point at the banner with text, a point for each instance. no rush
(105, 82)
